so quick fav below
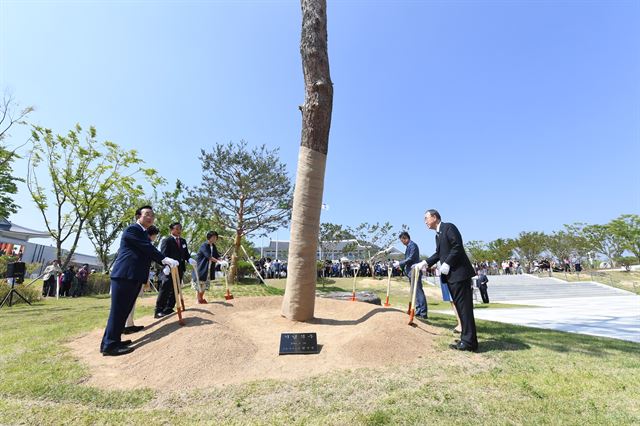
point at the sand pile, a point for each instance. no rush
(238, 341)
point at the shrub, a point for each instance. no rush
(98, 284)
(244, 269)
(33, 293)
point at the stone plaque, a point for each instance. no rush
(298, 343)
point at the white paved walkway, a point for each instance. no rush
(585, 308)
(612, 316)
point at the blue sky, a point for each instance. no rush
(504, 115)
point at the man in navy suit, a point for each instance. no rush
(175, 247)
(130, 271)
(412, 257)
(455, 270)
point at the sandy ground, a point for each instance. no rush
(238, 341)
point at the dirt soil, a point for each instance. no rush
(238, 341)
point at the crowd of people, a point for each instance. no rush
(72, 283)
(514, 266)
(271, 268)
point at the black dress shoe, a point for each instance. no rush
(117, 351)
(132, 329)
(159, 315)
(168, 311)
(462, 346)
(124, 343)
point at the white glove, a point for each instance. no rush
(419, 265)
(444, 269)
(171, 263)
(193, 262)
(166, 270)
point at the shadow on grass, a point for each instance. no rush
(491, 345)
(556, 341)
(324, 281)
(495, 336)
(330, 289)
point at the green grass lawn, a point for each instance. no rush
(398, 294)
(624, 280)
(520, 376)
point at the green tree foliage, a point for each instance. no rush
(478, 251)
(10, 116)
(82, 174)
(561, 245)
(375, 236)
(246, 189)
(329, 234)
(500, 249)
(601, 239)
(529, 246)
(106, 226)
(626, 229)
(177, 205)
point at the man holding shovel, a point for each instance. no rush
(207, 256)
(175, 247)
(455, 270)
(130, 270)
(412, 257)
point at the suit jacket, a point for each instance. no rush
(450, 250)
(135, 255)
(411, 256)
(204, 254)
(170, 248)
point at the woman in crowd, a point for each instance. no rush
(50, 276)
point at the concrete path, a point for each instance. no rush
(584, 307)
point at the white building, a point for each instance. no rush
(15, 240)
(328, 250)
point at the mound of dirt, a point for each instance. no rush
(238, 341)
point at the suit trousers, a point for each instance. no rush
(421, 299)
(123, 297)
(484, 293)
(166, 296)
(463, 300)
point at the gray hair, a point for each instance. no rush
(433, 212)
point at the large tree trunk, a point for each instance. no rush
(300, 292)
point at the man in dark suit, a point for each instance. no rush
(175, 247)
(130, 271)
(412, 257)
(456, 270)
(481, 283)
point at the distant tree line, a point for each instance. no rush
(617, 242)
